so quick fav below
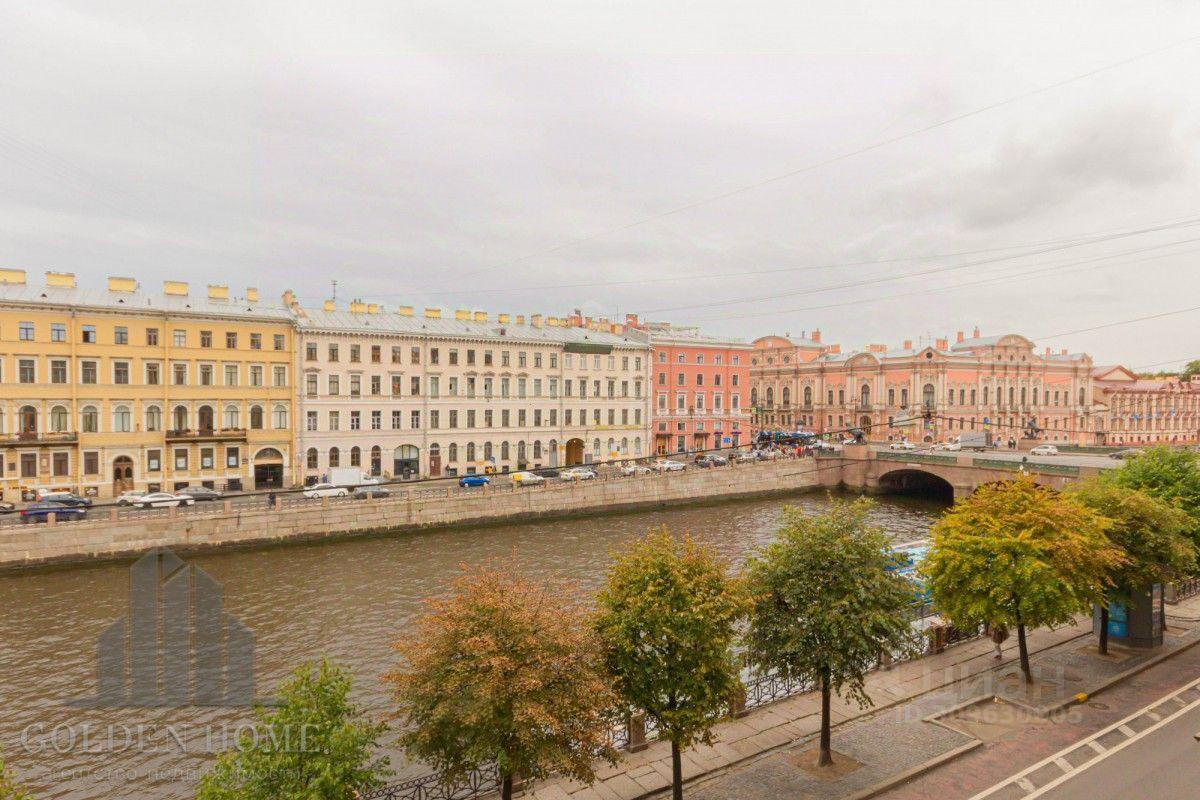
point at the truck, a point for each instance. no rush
(975, 440)
(350, 477)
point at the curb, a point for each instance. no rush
(913, 772)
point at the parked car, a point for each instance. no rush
(525, 478)
(577, 474)
(7, 508)
(548, 472)
(747, 456)
(1125, 455)
(771, 453)
(130, 498)
(65, 499)
(953, 447)
(473, 480)
(1044, 450)
(201, 493)
(38, 512)
(669, 465)
(902, 446)
(635, 469)
(712, 460)
(827, 447)
(325, 490)
(165, 500)
(363, 492)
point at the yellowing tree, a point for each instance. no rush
(1021, 555)
(503, 671)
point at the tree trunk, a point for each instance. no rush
(506, 787)
(826, 757)
(1024, 650)
(1104, 629)
(676, 772)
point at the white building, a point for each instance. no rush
(406, 395)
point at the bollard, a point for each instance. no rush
(324, 501)
(635, 725)
(885, 660)
(937, 641)
(737, 703)
(276, 503)
(228, 504)
(51, 519)
(112, 515)
(173, 512)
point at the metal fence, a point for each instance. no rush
(429, 787)
(1027, 466)
(914, 458)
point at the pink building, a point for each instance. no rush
(1149, 411)
(928, 393)
(698, 389)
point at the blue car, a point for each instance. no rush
(473, 480)
(62, 513)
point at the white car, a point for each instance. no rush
(130, 498)
(635, 469)
(1044, 450)
(749, 455)
(164, 500)
(524, 478)
(325, 490)
(902, 446)
(669, 465)
(952, 447)
(577, 474)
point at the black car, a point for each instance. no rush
(545, 473)
(7, 508)
(65, 499)
(363, 492)
(38, 512)
(201, 493)
(712, 461)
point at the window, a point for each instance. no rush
(355, 420)
(311, 458)
(376, 420)
(28, 465)
(153, 418)
(376, 385)
(335, 457)
(280, 375)
(89, 420)
(231, 457)
(256, 375)
(58, 371)
(335, 420)
(206, 458)
(453, 356)
(415, 355)
(415, 386)
(58, 332)
(310, 384)
(120, 335)
(333, 353)
(206, 374)
(310, 351)
(255, 341)
(88, 334)
(355, 353)
(376, 354)
(206, 339)
(25, 331)
(181, 458)
(433, 355)
(26, 370)
(280, 417)
(179, 419)
(230, 340)
(355, 457)
(153, 378)
(278, 341)
(310, 421)
(179, 338)
(179, 374)
(231, 374)
(121, 419)
(256, 417)
(355, 385)
(91, 463)
(58, 419)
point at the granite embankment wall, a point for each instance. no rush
(407, 509)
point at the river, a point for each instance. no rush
(347, 599)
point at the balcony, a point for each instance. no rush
(36, 439)
(207, 435)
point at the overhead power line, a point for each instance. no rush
(1121, 322)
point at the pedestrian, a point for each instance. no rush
(999, 637)
(271, 499)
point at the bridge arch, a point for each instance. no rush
(917, 482)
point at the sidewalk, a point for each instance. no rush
(731, 766)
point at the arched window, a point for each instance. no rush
(58, 419)
(520, 452)
(808, 396)
(279, 417)
(596, 448)
(754, 395)
(770, 396)
(452, 452)
(121, 419)
(335, 457)
(27, 418)
(470, 451)
(612, 445)
(256, 417)
(637, 445)
(927, 394)
(864, 396)
(624, 445)
(504, 451)
(786, 396)
(89, 420)
(487, 451)
(311, 458)
(1082, 395)
(204, 418)
(376, 460)
(179, 419)
(154, 418)
(355, 456)
(537, 448)
(232, 418)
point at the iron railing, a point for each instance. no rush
(429, 787)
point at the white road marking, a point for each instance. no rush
(1063, 764)
(1128, 731)
(1099, 748)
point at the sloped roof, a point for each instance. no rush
(139, 301)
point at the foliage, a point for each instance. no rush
(1192, 369)
(827, 599)
(506, 671)
(9, 788)
(314, 745)
(1017, 554)
(1169, 474)
(1149, 532)
(668, 617)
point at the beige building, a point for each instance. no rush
(421, 394)
(1135, 411)
(121, 388)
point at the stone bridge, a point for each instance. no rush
(959, 474)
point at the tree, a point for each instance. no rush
(827, 601)
(314, 745)
(1192, 369)
(667, 617)
(1168, 474)
(1019, 555)
(1150, 533)
(504, 671)
(9, 788)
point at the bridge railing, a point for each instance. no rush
(915, 458)
(1029, 466)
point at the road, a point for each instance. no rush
(1067, 459)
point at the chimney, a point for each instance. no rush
(218, 292)
(617, 328)
(520, 319)
(252, 294)
(959, 338)
(122, 284)
(289, 299)
(481, 316)
(942, 344)
(372, 308)
(329, 305)
(177, 288)
(552, 322)
(502, 318)
(535, 320)
(1047, 351)
(816, 336)
(405, 311)
(631, 320)
(462, 313)
(433, 313)
(1064, 351)
(976, 333)
(12, 276)
(60, 280)
(834, 348)
(877, 348)
(908, 344)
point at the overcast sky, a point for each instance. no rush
(452, 154)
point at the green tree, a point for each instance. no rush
(668, 617)
(1020, 555)
(1150, 533)
(314, 745)
(504, 671)
(9, 788)
(827, 601)
(1169, 474)
(1192, 369)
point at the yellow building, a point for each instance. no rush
(107, 390)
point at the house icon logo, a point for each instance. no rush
(177, 646)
